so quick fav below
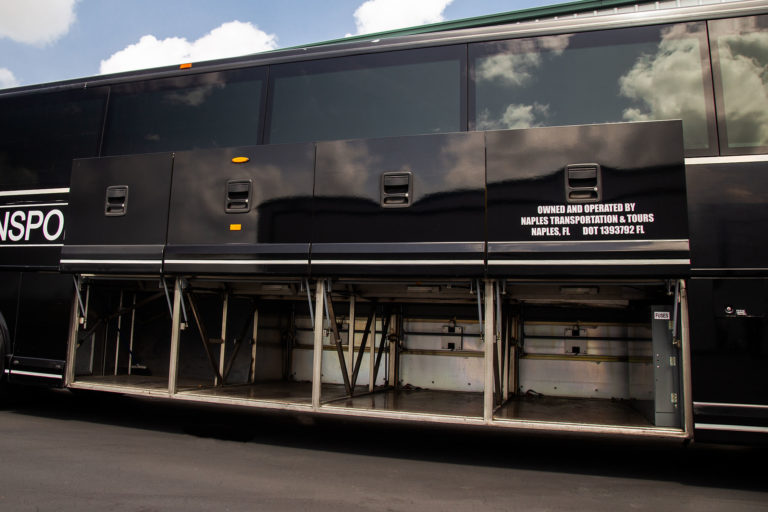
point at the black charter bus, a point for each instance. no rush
(549, 219)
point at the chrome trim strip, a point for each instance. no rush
(721, 269)
(533, 262)
(34, 192)
(237, 262)
(117, 262)
(397, 262)
(738, 159)
(684, 241)
(731, 428)
(735, 406)
(31, 245)
(33, 374)
(32, 205)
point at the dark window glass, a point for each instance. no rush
(377, 95)
(192, 112)
(40, 134)
(637, 74)
(740, 59)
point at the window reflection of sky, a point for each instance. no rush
(743, 59)
(564, 80)
(373, 101)
(194, 112)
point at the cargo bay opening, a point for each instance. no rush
(120, 335)
(584, 356)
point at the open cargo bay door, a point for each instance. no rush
(118, 214)
(241, 211)
(400, 206)
(588, 200)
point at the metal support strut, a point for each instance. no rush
(360, 354)
(337, 341)
(203, 336)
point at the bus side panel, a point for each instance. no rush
(40, 345)
(726, 205)
(9, 299)
(729, 342)
(32, 229)
(728, 296)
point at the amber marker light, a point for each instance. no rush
(185, 66)
(235, 227)
(240, 159)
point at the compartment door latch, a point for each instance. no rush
(583, 183)
(238, 199)
(116, 201)
(396, 189)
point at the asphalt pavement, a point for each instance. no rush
(61, 451)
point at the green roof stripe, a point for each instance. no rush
(550, 11)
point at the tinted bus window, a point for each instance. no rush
(638, 74)
(192, 112)
(40, 134)
(376, 95)
(740, 59)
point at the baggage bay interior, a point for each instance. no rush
(581, 356)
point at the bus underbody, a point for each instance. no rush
(593, 356)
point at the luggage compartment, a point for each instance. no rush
(241, 210)
(585, 356)
(242, 343)
(593, 353)
(352, 278)
(122, 340)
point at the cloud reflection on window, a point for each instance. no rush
(196, 96)
(517, 68)
(637, 74)
(668, 84)
(744, 68)
(515, 116)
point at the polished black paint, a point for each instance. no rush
(726, 205)
(443, 222)
(42, 322)
(640, 163)
(107, 242)
(37, 308)
(729, 342)
(10, 283)
(274, 227)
